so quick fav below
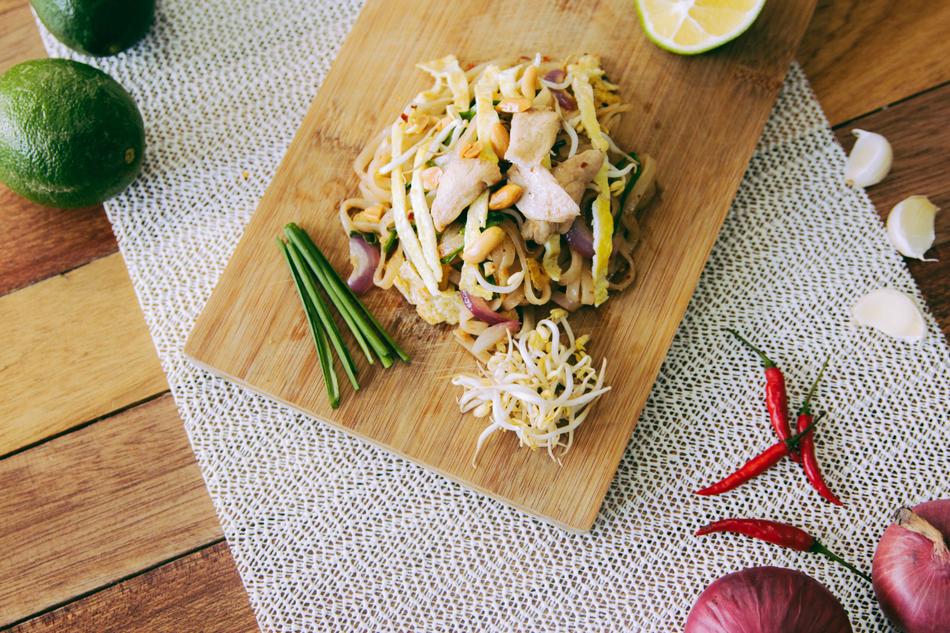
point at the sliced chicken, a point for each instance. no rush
(463, 180)
(532, 135)
(538, 230)
(575, 173)
(543, 198)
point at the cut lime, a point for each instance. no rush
(688, 27)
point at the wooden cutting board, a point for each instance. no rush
(700, 117)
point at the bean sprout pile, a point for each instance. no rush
(541, 386)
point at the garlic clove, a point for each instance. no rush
(869, 161)
(910, 226)
(892, 312)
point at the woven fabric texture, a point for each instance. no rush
(329, 533)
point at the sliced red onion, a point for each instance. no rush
(480, 309)
(492, 335)
(561, 300)
(364, 258)
(566, 101)
(580, 238)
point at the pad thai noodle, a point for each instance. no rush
(496, 188)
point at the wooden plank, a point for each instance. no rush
(252, 329)
(37, 242)
(861, 55)
(72, 348)
(91, 507)
(21, 40)
(918, 133)
(198, 592)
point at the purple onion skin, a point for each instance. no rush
(767, 600)
(580, 237)
(912, 586)
(480, 310)
(365, 259)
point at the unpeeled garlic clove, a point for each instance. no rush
(869, 161)
(910, 226)
(891, 312)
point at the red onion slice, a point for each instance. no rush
(566, 101)
(364, 258)
(492, 335)
(561, 300)
(480, 310)
(580, 238)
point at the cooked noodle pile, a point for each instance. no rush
(499, 187)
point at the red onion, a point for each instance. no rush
(561, 300)
(480, 310)
(580, 238)
(566, 101)
(364, 258)
(911, 569)
(767, 600)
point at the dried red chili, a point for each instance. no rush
(776, 396)
(807, 446)
(758, 464)
(781, 534)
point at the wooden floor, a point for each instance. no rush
(105, 524)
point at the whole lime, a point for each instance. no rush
(96, 27)
(70, 135)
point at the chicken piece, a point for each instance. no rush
(543, 198)
(463, 180)
(532, 136)
(575, 173)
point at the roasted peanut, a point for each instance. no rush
(471, 150)
(499, 139)
(478, 250)
(529, 81)
(505, 197)
(513, 104)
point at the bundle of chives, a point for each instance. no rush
(310, 269)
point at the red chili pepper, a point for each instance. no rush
(781, 534)
(807, 447)
(757, 465)
(776, 396)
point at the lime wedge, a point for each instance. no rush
(688, 27)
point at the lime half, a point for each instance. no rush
(688, 27)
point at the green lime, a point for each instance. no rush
(96, 27)
(696, 26)
(70, 135)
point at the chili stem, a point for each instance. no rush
(768, 362)
(316, 330)
(819, 548)
(806, 406)
(326, 319)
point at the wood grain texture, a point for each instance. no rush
(252, 329)
(18, 35)
(861, 55)
(38, 242)
(72, 348)
(93, 506)
(917, 130)
(198, 593)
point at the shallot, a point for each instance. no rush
(767, 600)
(911, 569)
(364, 259)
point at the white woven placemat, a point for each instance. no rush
(331, 533)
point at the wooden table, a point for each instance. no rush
(105, 523)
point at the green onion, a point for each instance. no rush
(370, 238)
(448, 259)
(468, 115)
(345, 300)
(634, 177)
(390, 244)
(495, 218)
(323, 312)
(316, 330)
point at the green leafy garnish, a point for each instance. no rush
(448, 259)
